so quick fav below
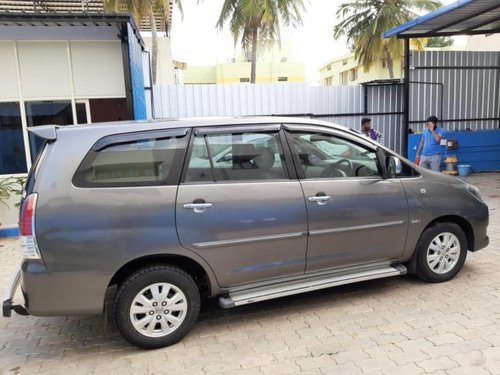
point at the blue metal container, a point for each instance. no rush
(479, 149)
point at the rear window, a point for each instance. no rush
(32, 174)
(138, 160)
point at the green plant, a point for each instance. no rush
(364, 21)
(11, 186)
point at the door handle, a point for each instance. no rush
(320, 199)
(198, 207)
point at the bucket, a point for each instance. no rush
(464, 170)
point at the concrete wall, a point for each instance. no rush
(483, 43)
(165, 72)
(60, 69)
(200, 74)
(330, 74)
(267, 72)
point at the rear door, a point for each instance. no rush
(355, 216)
(240, 206)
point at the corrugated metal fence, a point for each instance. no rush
(338, 104)
(462, 88)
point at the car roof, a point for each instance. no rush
(201, 122)
(120, 127)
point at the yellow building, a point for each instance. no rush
(273, 65)
(345, 70)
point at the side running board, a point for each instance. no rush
(306, 284)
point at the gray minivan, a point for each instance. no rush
(244, 210)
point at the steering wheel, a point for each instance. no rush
(341, 168)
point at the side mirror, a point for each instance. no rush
(394, 166)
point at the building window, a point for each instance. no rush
(12, 152)
(353, 74)
(329, 67)
(343, 78)
(284, 59)
(282, 79)
(46, 113)
(328, 81)
(244, 80)
(81, 113)
(344, 62)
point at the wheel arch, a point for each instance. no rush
(458, 220)
(462, 223)
(201, 276)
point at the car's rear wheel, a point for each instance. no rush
(441, 252)
(156, 306)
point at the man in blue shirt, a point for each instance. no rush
(429, 150)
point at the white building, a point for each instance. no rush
(65, 69)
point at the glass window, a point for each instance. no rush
(46, 113)
(327, 156)
(343, 78)
(81, 113)
(353, 74)
(233, 157)
(12, 153)
(141, 162)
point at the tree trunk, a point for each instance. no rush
(390, 63)
(154, 49)
(253, 70)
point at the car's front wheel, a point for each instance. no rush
(156, 306)
(441, 252)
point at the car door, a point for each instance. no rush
(355, 216)
(240, 206)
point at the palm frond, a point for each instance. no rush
(362, 22)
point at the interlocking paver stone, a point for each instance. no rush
(388, 326)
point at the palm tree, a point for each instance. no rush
(146, 10)
(364, 21)
(251, 20)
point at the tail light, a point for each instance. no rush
(27, 228)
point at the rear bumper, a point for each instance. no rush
(8, 301)
(51, 293)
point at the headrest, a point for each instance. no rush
(266, 158)
(244, 152)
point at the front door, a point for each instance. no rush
(355, 216)
(239, 208)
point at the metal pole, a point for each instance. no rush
(406, 97)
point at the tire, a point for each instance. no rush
(156, 306)
(441, 252)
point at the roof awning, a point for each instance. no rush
(54, 19)
(464, 17)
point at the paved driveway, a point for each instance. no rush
(390, 326)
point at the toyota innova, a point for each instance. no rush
(243, 210)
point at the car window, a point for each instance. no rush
(236, 156)
(141, 162)
(328, 156)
